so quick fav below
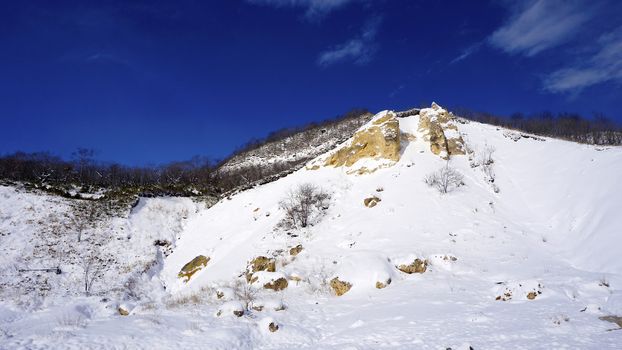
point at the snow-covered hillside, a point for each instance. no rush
(524, 253)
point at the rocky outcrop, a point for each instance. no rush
(192, 267)
(439, 129)
(378, 140)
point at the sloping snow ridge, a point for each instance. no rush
(524, 253)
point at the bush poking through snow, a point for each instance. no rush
(244, 293)
(71, 320)
(304, 205)
(445, 179)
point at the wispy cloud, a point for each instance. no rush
(537, 25)
(103, 57)
(359, 49)
(605, 64)
(314, 9)
(467, 52)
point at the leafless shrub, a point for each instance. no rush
(71, 320)
(304, 205)
(93, 271)
(319, 281)
(184, 300)
(445, 179)
(485, 155)
(244, 293)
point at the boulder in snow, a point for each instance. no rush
(295, 250)
(192, 267)
(417, 266)
(340, 287)
(371, 201)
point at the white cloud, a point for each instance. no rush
(466, 53)
(538, 25)
(359, 50)
(605, 64)
(313, 8)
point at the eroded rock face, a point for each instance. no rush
(439, 128)
(417, 266)
(340, 287)
(378, 140)
(192, 267)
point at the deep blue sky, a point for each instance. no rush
(150, 82)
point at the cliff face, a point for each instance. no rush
(379, 140)
(439, 128)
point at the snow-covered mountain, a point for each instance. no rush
(521, 252)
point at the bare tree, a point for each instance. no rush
(445, 179)
(304, 205)
(92, 266)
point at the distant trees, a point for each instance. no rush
(598, 130)
(46, 170)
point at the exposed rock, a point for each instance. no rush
(529, 289)
(613, 319)
(417, 266)
(122, 311)
(273, 327)
(409, 137)
(371, 201)
(295, 250)
(381, 285)
(439, 128)
(262, 263)
(192, 267)
(340, 287)
(379, 139)
(276, 285)
(231, 308)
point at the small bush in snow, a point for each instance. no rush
(445, 179)
(304, 205)
(71, 320)
(244, 293)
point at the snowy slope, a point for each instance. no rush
(549, 225)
